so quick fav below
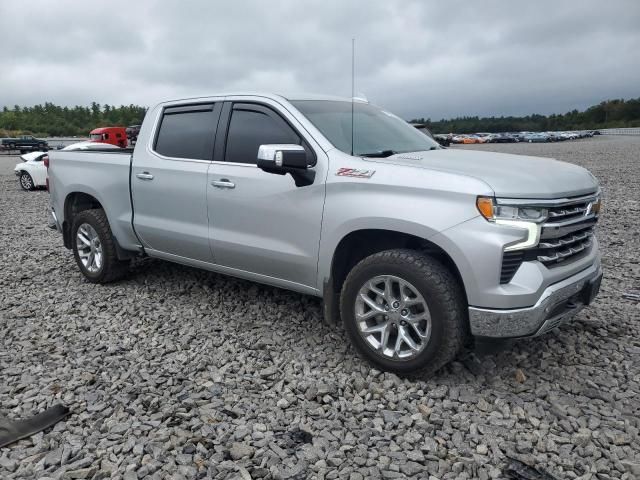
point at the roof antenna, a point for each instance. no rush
(353, 85)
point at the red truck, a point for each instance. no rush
(113, 135)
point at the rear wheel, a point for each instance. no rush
(404, 312)
(26, 182)
(94, 248)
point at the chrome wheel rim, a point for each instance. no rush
(89, 248)
(25, 180)
(393, 317)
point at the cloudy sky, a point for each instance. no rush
(417, 58)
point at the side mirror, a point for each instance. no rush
(282, 157)
(286, 158)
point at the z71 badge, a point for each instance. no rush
(354, 172)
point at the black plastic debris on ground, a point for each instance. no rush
(13, 430)
(521, 471)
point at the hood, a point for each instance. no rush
(514, 176)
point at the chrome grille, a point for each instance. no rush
(557, 250)
(564, 213)
(567, 234)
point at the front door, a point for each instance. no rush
(261, 222)
(169, 183)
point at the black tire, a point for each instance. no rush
(445, 300)
(111, 269)
(12, 146)
(26, 182)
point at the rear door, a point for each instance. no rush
(260, 222)
(169, 182)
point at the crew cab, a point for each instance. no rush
(414, 248)
(25, 143)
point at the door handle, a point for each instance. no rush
(144, 176)
(223, 183)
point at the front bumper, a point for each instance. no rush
(558, 304)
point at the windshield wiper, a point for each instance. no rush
(380, 154)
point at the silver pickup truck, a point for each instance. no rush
(414, 248)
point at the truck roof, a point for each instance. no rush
(273, 96)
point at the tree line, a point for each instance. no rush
(608, 114)
(51, 120)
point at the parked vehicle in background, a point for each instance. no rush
(502, 138)
(443, 140)
(31, 171)
(272, 189)
(89, 145)
(114, 135)
(553, 136)
(24, 144)
(132, 133)
(536, 137)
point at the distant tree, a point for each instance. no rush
(53, 120)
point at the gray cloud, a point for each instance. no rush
(413, 57)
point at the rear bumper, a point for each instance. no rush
(558, 304)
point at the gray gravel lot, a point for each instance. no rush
(180, 373)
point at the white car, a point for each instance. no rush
(89, 146)
(32, 172)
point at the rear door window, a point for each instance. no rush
(188, 131)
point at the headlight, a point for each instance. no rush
(494, 212)
(596, 206)
(525, 218)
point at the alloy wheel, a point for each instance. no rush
(26, 182)
(393, 317)
(89, 248)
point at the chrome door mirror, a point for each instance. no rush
(286, 158)
(282, 157)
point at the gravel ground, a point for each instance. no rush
(180, 373)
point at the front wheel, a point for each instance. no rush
(94, 248)
(26, 182)
(404, 312)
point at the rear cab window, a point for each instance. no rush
(187, 131)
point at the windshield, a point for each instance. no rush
(375, 131)
(96, 137)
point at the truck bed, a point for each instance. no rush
(103, 174)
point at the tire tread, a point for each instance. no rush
(113, 268)
(451, 295)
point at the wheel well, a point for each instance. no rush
(362, 243)
(75, 203)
